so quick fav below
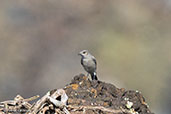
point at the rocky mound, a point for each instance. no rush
(81, 96)
(84, 92)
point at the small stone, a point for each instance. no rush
(129, 104)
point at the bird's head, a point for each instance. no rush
(83, 53)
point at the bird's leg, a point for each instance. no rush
(94, 76)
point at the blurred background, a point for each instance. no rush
(40, 40)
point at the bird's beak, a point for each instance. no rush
(79, 53)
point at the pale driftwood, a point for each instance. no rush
(39, 105)
(16, 104)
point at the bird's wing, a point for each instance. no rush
(95, 61)
(81, 61)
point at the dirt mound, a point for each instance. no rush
(84, 92)
(81, 96)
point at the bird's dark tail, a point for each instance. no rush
(94, 76)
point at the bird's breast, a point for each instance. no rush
(89, 63)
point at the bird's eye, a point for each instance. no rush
(84, 52)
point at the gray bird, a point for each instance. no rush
(88, 61)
